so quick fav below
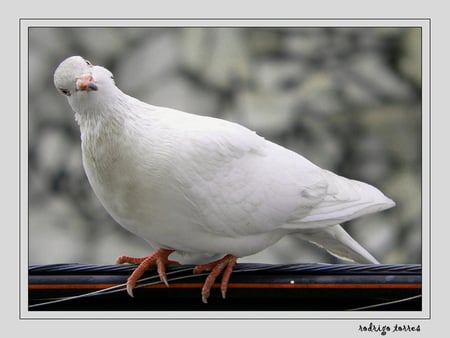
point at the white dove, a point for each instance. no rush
(202, 185)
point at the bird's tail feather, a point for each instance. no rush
(339, 243)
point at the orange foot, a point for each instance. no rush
(224, 264)
(158, 258)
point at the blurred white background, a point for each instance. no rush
(348, 99)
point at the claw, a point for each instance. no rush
(158, 258)
(164, 279)
(226, 265)
(130, 290)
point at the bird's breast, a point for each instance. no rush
(133, 181)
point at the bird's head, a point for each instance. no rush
(82, 82)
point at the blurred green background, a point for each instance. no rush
(348, 99)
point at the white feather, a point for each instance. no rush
(202, 185)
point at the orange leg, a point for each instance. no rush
(224, 264)
(158, 258)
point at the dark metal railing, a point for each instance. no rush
(252, 287)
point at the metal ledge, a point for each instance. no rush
(252, 287)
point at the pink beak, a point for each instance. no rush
(86, 83)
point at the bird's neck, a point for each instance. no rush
(101, 119)
(104, 120)
(102, 109)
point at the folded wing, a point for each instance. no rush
(243, 184)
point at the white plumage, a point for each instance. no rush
(202, 185)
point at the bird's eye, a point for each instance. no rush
(65, 91)
(89, 63)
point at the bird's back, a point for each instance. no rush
(243, 184)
